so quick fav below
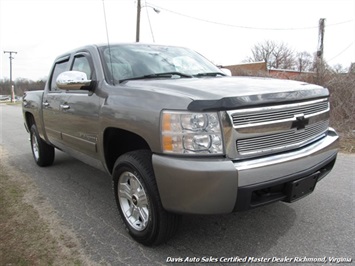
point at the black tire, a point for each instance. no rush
(42, 152)
(138, 200)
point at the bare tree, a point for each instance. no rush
(304, 62)
(276, 55)
(283, 57)
(262, 52)
(338, 68)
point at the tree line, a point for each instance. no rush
(20, 86)
(281, 56)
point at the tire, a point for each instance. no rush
(138, 200)
(42, 152)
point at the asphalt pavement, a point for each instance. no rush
(316, 228)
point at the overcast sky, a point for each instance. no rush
(222, 30)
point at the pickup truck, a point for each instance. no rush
(178, 136)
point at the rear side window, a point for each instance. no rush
(58, 68)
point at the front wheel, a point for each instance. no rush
(42, 152)
(138, 200)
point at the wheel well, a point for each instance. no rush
(119, 141)
(30, 120)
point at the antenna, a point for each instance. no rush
(150, 24)
(108, 42)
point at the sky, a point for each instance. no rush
(224, 31)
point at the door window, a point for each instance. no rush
(58, 68)
(81, 63)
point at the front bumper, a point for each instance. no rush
(216, 186)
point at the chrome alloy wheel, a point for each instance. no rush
(35, 146)
(133, 201)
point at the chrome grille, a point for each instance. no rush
(282, 140)
(271, 129)
(278, 113)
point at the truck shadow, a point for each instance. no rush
(238, 234)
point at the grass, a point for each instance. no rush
(347, 144)
(25, 237)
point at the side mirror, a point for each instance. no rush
(72, 80)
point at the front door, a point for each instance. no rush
(80, 112)
(52, 99)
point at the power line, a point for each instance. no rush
(339, 23)
(343, 51)
(245, 27)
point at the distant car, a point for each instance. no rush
(4, 98)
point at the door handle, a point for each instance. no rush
(65, 106)
(46, 104)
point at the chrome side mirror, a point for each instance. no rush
(72, 80)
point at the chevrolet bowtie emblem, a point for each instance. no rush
(300, 123)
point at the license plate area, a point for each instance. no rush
(300, 188)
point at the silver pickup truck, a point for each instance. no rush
(178, 136)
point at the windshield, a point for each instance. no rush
(132, 61)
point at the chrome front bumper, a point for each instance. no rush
(216, 186)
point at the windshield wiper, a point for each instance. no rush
(209, 74)
(159, 75)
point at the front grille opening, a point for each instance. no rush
(326, 169)
(267, 195)
(256, 196)
(280, 192)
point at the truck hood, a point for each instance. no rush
(223, 93)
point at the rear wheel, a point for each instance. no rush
(42, 152)
(138, 200)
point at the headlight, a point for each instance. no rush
(191, 133)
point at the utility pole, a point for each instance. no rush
(138, 25)
(11, 86)
(320, 65)
(138, 19)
